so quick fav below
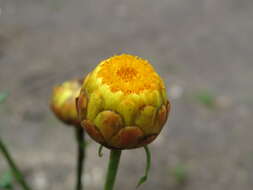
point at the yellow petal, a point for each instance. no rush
(146, 119)
(127, 108)
(95, 105)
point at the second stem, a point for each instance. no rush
(80, 138)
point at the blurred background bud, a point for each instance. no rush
(63, 101)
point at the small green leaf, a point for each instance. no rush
(6, 180)
(3, 96)
(144, 178)
(206, 98)
(179, 173)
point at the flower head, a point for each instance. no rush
(123, 102)
(63, 101)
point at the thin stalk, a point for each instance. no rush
(80, 139)
(100, 153)
(112, 169)
(148, 164)
(16, 172)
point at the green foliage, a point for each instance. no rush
(3, 96)
(6, 180)
(206, 98)
(179, 172)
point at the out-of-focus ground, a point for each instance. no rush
(202, 48)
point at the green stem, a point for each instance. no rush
(16, 172)
(112, 169)
(80, 139)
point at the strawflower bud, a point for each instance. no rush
(123, 103)
(63, 101)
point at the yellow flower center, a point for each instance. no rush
(126, 73)
(129, 74)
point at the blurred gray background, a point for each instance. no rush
(202, 48)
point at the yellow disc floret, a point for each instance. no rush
(129, 74)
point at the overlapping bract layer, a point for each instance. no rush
(123, 103)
